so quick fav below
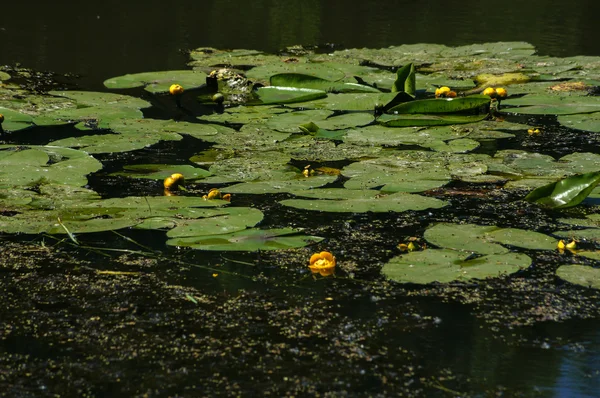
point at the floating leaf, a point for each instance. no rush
(581, 275)
(249, 240)
(162, 171)
(287, 95)
(397, 202)
(587, 121)
(445, 265)
(299, 80)
(235, 219)
(534, 104)
(565, 193)
(158, 82)
(15, 121)
(427, 120)
(441, 105)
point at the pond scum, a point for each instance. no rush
(290, 224)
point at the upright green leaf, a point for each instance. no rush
(405, 80)
(565, 193)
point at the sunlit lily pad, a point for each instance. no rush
(44, 164)
(278, 186)
(441, 105)
(533, 104)
(586, 121)
(408, 120)
(248, 240)
(486, 239)
(299, 80)
(235, 219)
(288, 95)
(162, 171)
(15, 121)
(445, 265)
(397, 202)
(158, 82)
(581, 275)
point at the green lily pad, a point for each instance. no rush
(534, 104)
(397, 202)
(235, 219)
(445, 265)
(94, 98)
(288, 95)
(109, 143)
(299, 80)
(158, 82)
(44, 164)
(486, 239)
(587, 122)
(162, 171)
(427, 120)
(351, 102)
(278, 186)
(248, 240)
(581, 275)
(565, 193)
(15, 121)
(441, 105)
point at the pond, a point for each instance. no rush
(119, 278)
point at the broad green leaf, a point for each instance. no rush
(94, 98)
(109, 143)
(235, 219)
(248, 240)
(352, 102)
(15, 121)
(405, 80)
(287, 95)
(565, 193)
(586, 121)
(486, 239)
(445, 265)
(581, 275)
(441, 105)
(464, 237)
(158, 82)
(409, 120)
(555, 104)
(162, 171)
(397, 202)
(278, 186)
(299, 80)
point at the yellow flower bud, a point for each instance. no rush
(502, 93)
(176, 89)
(561, 245)
(214, 194)
(173, 181)
(571, 246)
(490, 91)
(451, 94)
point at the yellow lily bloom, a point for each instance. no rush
(322, 263)
(175, 89)
(174, 181)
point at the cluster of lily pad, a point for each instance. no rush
(374, 109)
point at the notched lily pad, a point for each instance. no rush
(581, 275)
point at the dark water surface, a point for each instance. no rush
(99, 40)
(105, 39)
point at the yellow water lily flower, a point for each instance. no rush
(561, 245)
(501, 92)
(1, 118)
(533, 131)
(174, 181)
(571, 246)
(490, 91)
(322, 263)
(442, 91)
(175, 89)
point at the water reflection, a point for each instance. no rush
(110, 38)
